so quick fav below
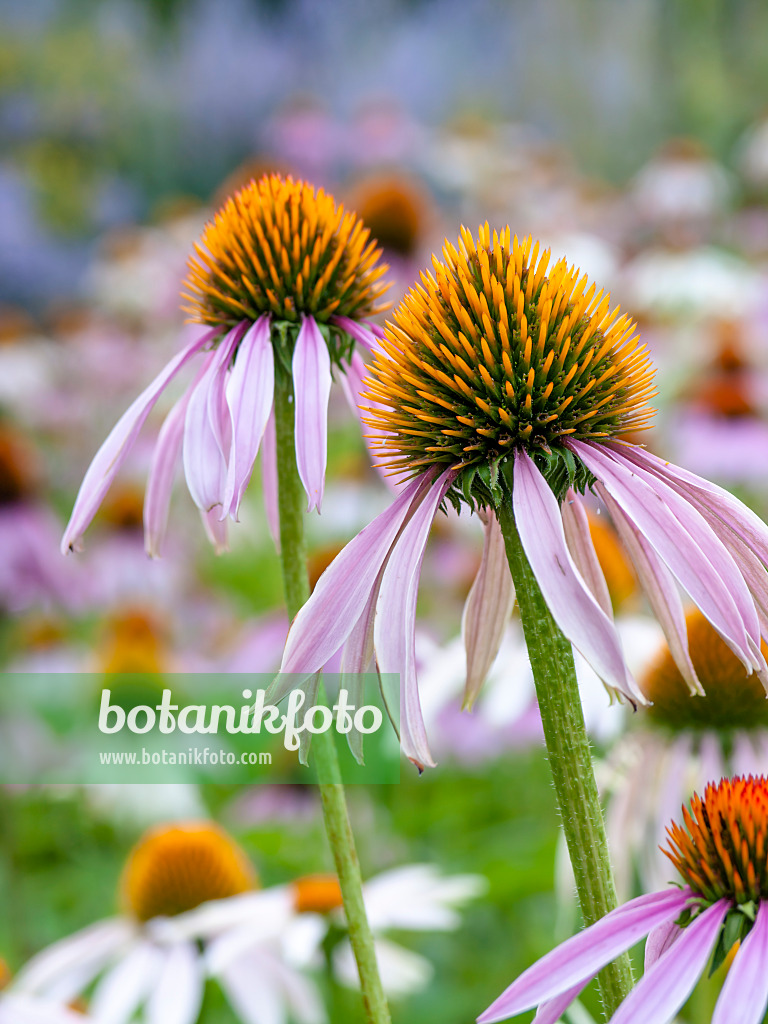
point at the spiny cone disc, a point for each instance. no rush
(491, 353)
(721, 851)
(278, 246)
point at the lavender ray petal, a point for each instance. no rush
(744, 997)
(204, 464)
(215, 530)
(118, 443)
(269, 479)
(659, 587)
(355, 373)
(551, 1011)
(579, 541)
(394, 628)
(311, 389)
(746, 523)
(157, 498)
(359, 331)
(684, 541)
(662, 991)
(662, 938)
(487, 609)
(249, 394)
(572, 605)
(579, 958)
(342, 592)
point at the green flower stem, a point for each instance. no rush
(570, 757)
(293, 553)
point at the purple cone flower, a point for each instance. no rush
(497, 384)
(283, 282)
(687, 928)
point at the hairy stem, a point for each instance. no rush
(570, 757)
(291, 499)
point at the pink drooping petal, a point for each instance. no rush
(746, 523)
(579, 541)
(250, 393)
(744, 997)
(682, 538)
(662, 938)
(395, 625)
(743, 548)
(579, 958)
(109, 458)
(218, 414)
(357, 653)
(269, 479)
(551, 1011)
(215, 530)
(355, 372)
(311, 388)
(204, 464)
(487, 609)
(662, 991)
(659, 587)
(571, 603)
(322, 626)
(717, 551)
(365, 334)
(165, 456)
(157, 498)
(357, 658)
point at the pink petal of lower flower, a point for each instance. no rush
(394, 628)
(744, 998)
(579, 540)
(573, 607)
(215, 530)
(743, 553)
(662, 938)
(311, 389)
(551, 1011)
(109, 457)
(204, 465)
(355, 373)
(487, 609)
(580, 958)
(250, 393)
(322, 626)
(722, 503)
(362, 333)
(157, 497)
(659, 587)
(269, 479)
(662, 991)
(682, 538)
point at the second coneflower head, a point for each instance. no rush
(282, 282)
(504, 384)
